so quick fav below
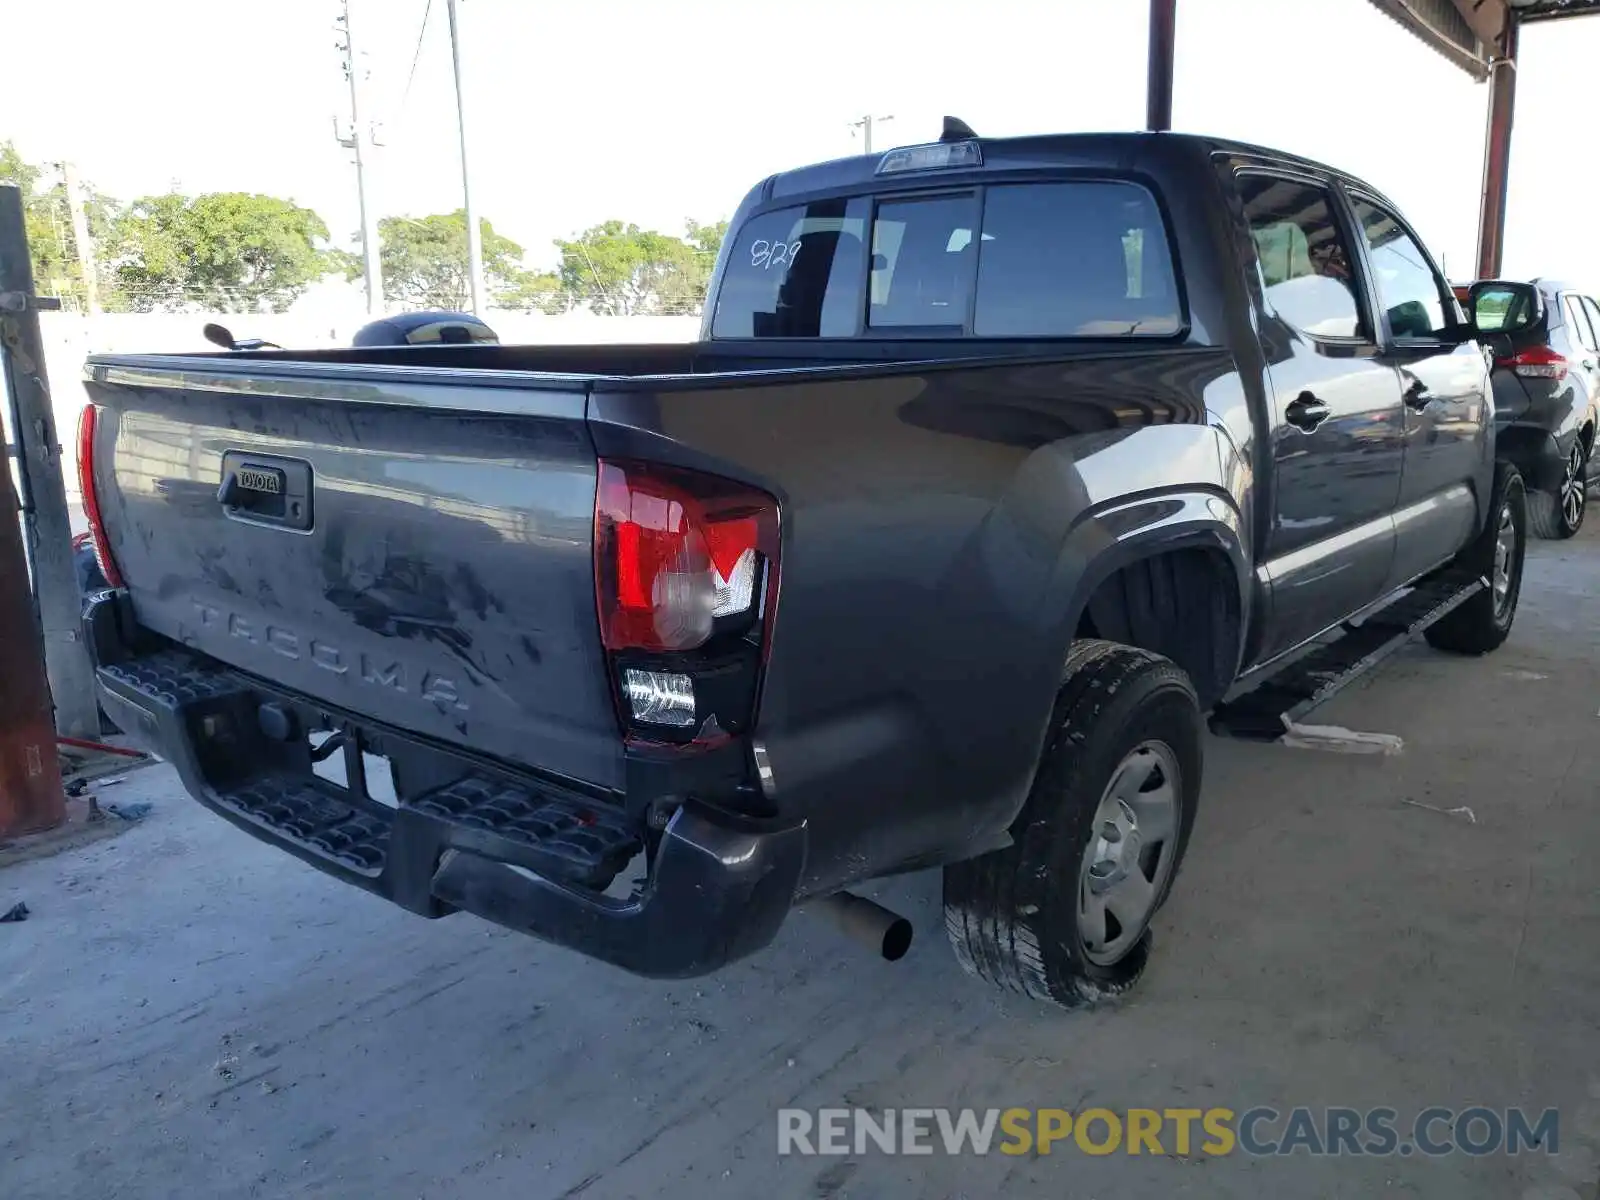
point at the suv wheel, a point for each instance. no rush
(1063, 913)
(1484, 622)
(1560, 515)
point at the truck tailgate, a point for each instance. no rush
(415, 552)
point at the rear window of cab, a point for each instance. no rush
(1086, 259)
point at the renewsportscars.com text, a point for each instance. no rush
(1213, 1132)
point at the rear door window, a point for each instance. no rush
(1578, 319)
(1301, 253)
(1593, 309)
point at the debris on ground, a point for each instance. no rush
(131, 812)
(93, 747)
(86, 764)
(17, 912)
(1462, 811)
(1341, 740)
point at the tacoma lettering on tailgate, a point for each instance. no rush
(439, 690)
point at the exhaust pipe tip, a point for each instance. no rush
(896, 940)
(887, 933)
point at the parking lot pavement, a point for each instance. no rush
(189, 1013)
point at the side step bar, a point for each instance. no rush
(1265, 713)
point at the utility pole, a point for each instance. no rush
(44, 496)
(80, 238)
(474, 234)
(359, 137)
(865, 125)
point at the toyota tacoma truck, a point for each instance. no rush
(998, 464)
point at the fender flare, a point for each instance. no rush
(1106, 540)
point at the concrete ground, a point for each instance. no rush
(191, 1013)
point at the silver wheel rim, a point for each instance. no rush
(1573, 492)
(1505, 543)
(1132, 845)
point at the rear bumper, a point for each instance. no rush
(527, 853)
(1536, 454)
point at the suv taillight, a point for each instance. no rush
(91, 501)
(1536, 362)
(686, 572)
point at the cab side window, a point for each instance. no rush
(1415, 300)
(1304, 262)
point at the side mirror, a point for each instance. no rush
(1496, 306)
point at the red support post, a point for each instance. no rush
(1163, 53)
(1497, 152)
(30, 774)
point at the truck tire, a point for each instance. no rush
(1059, 914)
(1483, 623)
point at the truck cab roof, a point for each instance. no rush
(1032, 152)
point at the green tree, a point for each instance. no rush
(425, 261)
(688, 294)
(536, 291)
(707, 239)
(48, 221)
(228, 251)
(620, 269)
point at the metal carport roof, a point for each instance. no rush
(1480, 36)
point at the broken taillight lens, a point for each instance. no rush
(679, 556)
(686, 576)
(87, 423)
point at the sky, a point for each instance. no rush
(655, 111)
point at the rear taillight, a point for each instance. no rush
(91, 500)
(1536, 362)
(686, 581)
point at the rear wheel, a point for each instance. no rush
(1559, 514)
(1063, 913)
(1484, 622)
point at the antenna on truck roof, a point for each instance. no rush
(956, 130)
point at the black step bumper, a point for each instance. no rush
(524, 852)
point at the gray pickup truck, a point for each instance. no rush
(998, 465)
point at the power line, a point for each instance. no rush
(416, 55)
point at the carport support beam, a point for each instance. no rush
(1497, 152)
(1163, 51)
(44, 498)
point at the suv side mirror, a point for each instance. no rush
(1496, 306)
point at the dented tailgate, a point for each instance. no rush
(387, 541)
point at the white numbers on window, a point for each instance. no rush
(767, 255)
